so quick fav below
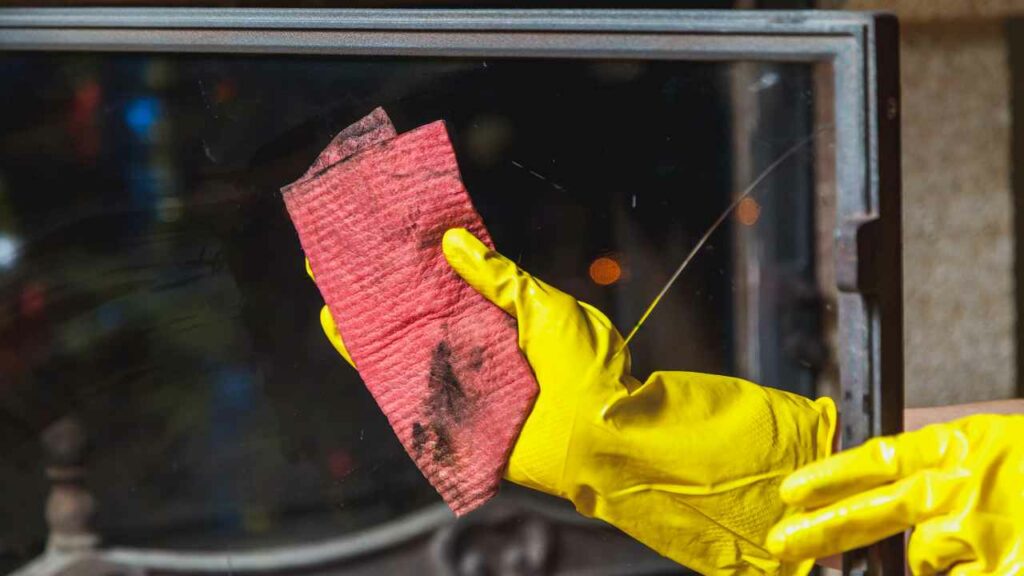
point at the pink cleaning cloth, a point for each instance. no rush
(441, 361)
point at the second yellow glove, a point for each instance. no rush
(960, 485)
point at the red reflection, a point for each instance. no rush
(225, 91)
(33, 300)
(340, 463)
(82, 123)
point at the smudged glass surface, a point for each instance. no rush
(151, 282)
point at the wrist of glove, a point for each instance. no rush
(689, 464)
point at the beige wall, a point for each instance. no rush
(958, 208)
(958, 214)
(936, 10)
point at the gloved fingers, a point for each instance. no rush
(331, 331)
(328, 326)
(495, 277)
(863, 518)
(876, 462)
(973, 569)
(938, 544)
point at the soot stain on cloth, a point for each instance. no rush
(447, 397)
(444, 450)
(419, 438)
(427, 174)
(448, 404)
(476, 359)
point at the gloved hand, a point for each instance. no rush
(959, 485)
(689, 464)
(329, 328)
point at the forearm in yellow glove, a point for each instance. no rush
(689, 464)
(959, 485)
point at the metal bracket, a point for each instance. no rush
(857, 242)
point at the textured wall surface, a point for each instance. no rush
(958, 207)
(958, 214)
(934, 10)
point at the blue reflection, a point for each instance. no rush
(234, 391)
(143, 184)
(231, 403)
(141, 113)
(109, 316)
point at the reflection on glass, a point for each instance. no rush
(152, 283)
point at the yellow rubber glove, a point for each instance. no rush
(689, 464)
(330, 330)
(959, 485)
